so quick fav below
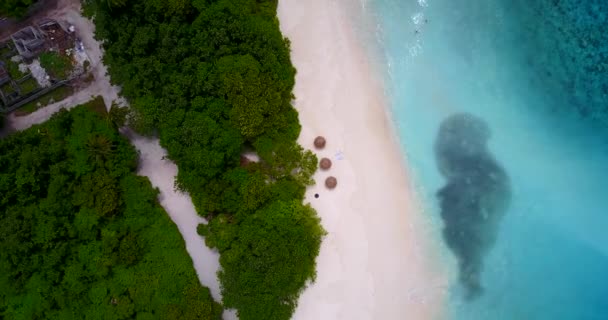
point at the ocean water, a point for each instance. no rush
(501, 107)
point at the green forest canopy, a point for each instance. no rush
(213, 78)
(14, 8)
(82, 236)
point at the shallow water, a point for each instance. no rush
(537, 76)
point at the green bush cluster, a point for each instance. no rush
(213, 78)
(55, 64)
(82, 236)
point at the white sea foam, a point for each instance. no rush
(418, 18)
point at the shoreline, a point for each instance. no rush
(376, 261)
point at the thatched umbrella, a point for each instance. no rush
(331, 182)
(325, 164)
(320, 142)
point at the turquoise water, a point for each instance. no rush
(525, 182)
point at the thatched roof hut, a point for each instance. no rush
(325, 164)
(319, 142)
(331, 182)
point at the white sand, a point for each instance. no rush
(377, 261)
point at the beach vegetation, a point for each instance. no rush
(213, 79)
(82, 236)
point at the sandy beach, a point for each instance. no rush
(377, 261)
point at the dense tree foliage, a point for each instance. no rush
(82, 236)
(14, 8)
(269, 249)
(213, 79)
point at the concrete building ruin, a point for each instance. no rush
(28, 41)
(48, 34)
(26, 45)
(4, 76)
(58, 38)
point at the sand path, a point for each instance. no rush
(375, 261)
(162, 172)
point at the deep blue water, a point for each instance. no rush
(525, 196)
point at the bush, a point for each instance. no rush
(56, 65)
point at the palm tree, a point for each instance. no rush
(116, 3)
(100, 147)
